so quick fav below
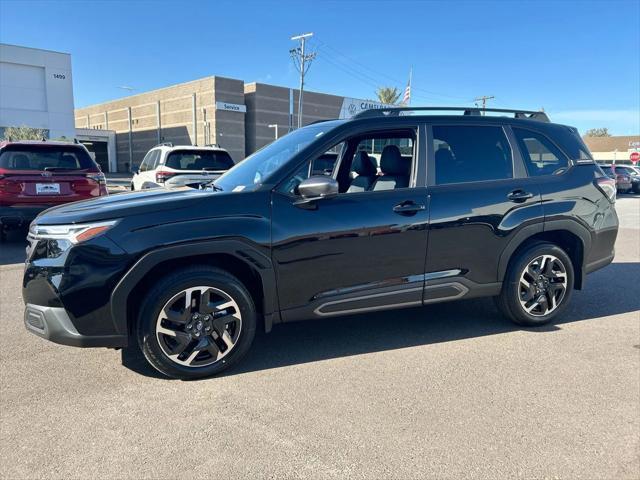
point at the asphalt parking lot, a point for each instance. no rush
(445, 391)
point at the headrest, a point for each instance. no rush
(363, 165)
(21, 161)
(392, 163)
(444, 155)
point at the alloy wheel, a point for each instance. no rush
(543, 285)
(198, 326)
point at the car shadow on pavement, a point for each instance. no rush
(12, 249)
(316, 340)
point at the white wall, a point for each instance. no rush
(36, 90)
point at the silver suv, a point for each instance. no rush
(171, 166)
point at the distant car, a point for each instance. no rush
(177, 166)
(623, 180)
(633, 172)
(36, 175)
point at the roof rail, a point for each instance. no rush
(164, 144)
(476, 111)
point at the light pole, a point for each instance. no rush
(302, 61)
(274, 126)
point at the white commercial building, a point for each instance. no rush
(36, 90)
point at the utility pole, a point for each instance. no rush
(302, 61)
(484, 99)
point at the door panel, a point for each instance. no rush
(472, 223)
(353, 246)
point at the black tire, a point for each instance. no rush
(164, 290)
(508, 301)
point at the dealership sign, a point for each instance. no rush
(353, 106)
(231, 107)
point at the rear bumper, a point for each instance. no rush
(18, 216)
(54, 324)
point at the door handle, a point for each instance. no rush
(408, 208)
(519, 196)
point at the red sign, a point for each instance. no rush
(634, 157)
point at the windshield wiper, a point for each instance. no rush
(211, 184)
(60, 169)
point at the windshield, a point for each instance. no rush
(47, 157)
(256, 168)
(199, 160)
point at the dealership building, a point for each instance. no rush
(240, 117)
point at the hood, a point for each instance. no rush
(122, 205)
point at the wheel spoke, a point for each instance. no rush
(198, 320)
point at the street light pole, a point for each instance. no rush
(302, 61)
(275, 126)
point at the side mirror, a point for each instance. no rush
(135, 169)
(317, 188)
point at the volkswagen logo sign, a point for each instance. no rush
(46, 173)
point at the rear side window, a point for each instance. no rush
(199, 160)
(540, 155)
(471, 154)
(26, 157)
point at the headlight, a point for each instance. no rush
(71, 233)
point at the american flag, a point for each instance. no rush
(407, 95)
(406, 99)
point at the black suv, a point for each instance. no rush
(416, 206)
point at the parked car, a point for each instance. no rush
(622, 178)
(36, 175)
(462, 206)
(633, 173)
(177, 166)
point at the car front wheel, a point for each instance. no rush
(196, 323)
(538, 285)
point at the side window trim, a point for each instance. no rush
(516, 159)
(519, 166)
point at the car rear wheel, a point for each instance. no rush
(538, 285)
(196, 323)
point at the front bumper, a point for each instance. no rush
(54, 324)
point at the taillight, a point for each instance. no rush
(99, 178)
(608, 187)
(8, 186)
(162, 176)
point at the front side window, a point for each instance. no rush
(146, 161)
(540, 155)
(373, 162)
(471, 154)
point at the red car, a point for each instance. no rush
(36, 175)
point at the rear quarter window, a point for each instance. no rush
(540, 155)
(40, 158)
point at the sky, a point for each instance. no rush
(580, 61)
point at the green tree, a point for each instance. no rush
(24, 133)
(598, 132)
(388, 95)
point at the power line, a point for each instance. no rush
(302, 61)
(324, 46)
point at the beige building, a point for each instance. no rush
(239, 117)
(206, 111)
(613, 149)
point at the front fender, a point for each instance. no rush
(242, 250)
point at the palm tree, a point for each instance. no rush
(388, 95)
